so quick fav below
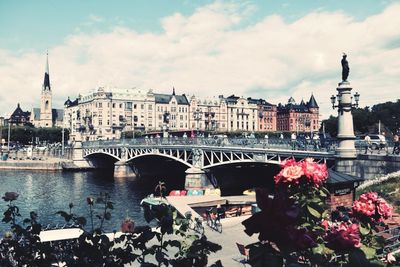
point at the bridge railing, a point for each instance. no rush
(272, 143)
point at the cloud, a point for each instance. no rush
(210, 52)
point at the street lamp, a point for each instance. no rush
(197, 115)
(346, 137)
(166, 117)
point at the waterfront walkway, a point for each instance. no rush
(232, 228)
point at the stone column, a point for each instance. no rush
(123, 169)
(196, 179)
(195, 176)
(77, 156)
(346, 148)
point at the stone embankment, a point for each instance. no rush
(51, 164)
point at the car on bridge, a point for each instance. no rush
(378, 141)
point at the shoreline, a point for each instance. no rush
(52, 164)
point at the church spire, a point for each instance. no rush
(173, 90)
(46, 82)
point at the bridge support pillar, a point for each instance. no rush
(196, 179)
(123, 169)
(77, 157)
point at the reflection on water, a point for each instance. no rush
(49, 192)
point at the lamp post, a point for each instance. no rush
(197, 114)
(62, 141)
(166, 117)
(9, 135)
(346, 137)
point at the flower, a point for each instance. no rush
(343, 236)
(90, 200)
(372, 208)
(128, 225)
(289, 174)
(384, 209)
(10, 196)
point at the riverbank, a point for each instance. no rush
(47, 164)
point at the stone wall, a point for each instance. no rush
(30, 165)
(369, 166)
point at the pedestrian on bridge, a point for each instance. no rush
(293, 139)
(266, 140)
(367, 141)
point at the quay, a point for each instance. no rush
(47, 164)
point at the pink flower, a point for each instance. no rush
(369, 196)
(288, 162)
(289, 174)
(364, 207)
(309, 167)
(320, 174)
(344, 237)
(326, 224)
(384, 209)
(128, 226)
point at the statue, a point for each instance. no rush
(345, 68)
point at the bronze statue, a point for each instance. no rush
(345, 68)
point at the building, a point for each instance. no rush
(106, 113)
(46, 115)
(19, 117)
(266, 115)
(303, 117)
(176, 107)
(208, 114)
(242, 114)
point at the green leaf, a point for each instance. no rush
(314, 212)
(369, 252)
(364, 230)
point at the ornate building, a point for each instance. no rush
(46, 115)
(19, 117)
(303, 117)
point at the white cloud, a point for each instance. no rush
(207, 53)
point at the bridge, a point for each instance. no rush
(199, 155)
(202, 154)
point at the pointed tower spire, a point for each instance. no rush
(46, 82)
(312, 103)
(173, 90)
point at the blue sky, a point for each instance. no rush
(38, 25)
(269, 49)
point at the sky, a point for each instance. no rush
(266, 49)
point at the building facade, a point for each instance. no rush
(303, 117)
(106, 113)
(46, 115)
(19, 117)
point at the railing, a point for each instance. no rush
(272, 143)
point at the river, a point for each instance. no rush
(49, 192)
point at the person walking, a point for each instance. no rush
(316, 141)
(293, 139)
(266, 138)
(367, 140)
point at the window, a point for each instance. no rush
(134, 106)
(142, 106)
(113, 105)
(150, 107)
(128, 105)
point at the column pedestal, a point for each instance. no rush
(77, 156)
(346, 148)
(122, 169)
(196, 179)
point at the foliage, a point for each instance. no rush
(367, 119)
(25, 134)
(170, 243)
(295, 226)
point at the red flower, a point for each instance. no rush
(128, 226)
(371, 208)
(343, 237)
(384, 209)
(289, 174)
